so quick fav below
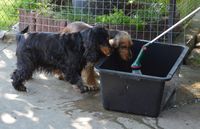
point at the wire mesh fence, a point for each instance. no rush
(142, 19)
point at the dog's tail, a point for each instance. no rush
(20, 35)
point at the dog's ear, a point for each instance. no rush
(93, 38)
(71, 41)
(91, 55)
(87, 35)
(90, 44)
(113, 40)
(113, 43)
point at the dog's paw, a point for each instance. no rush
(89, 88)
(21, 88)
(93, 88)
(61, 77)
(84, 89)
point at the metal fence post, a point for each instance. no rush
(171, 20)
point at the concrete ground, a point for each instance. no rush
(54, 104)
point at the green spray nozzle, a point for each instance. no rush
(136, 65)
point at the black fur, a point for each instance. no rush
(67, 52)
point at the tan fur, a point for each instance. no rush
(123, 42)
(75, 27)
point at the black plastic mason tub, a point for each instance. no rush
(123, 91)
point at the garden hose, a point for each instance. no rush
(136, 65)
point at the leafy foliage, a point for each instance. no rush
(118, 17)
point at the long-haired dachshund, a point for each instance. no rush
(67, 52)
(119, 40)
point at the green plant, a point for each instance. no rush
(118, 17)
(151, 10)
(8, 15)
(152, 13)
(70, 14)
(185, 7)
(9, 12)
(43, 8)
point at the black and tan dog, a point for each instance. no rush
(119, 40)
(67, 52)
